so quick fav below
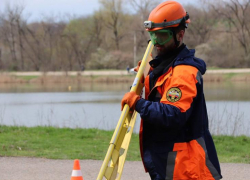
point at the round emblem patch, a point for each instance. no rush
(174, 94)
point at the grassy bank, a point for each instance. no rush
(66, 79)
(108, 77)
(66, 143)
(58, 143)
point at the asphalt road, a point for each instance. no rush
(22, 168)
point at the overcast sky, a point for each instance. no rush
(37, 9)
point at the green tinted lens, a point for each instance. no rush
(161, 36)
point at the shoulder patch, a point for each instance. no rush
(174, 94)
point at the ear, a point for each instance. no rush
(180, 35)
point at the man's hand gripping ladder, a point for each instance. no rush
(113, 163)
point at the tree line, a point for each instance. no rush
(114, 37)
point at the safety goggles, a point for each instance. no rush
(161, 36)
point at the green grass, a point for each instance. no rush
(58, 143)
(213, 68)
(229, 76)
(226, 76)
(66, 143)
(27, 77)
(233, 149)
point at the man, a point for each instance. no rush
(128, 68)
(174, 137)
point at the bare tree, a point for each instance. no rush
(143, 7)
(97, 28)
(20, 38)
(51, 34)
(1, 62)
(9, 31)
(108, 37)
(80, 39)
(202, 23)
(236, 13)
(114, 19)
(34, 50)
(65, 53)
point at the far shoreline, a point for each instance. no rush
(110, 76)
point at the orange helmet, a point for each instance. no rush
(165, 15)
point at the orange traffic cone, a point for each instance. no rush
(76, 173)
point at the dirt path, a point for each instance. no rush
(22, 168)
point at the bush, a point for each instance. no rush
(102, 59)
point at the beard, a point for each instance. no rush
(162, 50)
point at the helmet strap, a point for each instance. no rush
(177, 43)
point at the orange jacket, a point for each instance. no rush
(174, 135)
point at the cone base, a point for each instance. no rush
(77, 178)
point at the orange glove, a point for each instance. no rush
(130, 99)
(138, 66)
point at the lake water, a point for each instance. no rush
(98, 106)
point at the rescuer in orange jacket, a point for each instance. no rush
(175, 140)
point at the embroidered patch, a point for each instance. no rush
(174, 94)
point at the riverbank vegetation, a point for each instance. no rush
(66, 143)
(113, 37)
(125, 78)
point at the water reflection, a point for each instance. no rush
(227, 91)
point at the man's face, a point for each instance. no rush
(166, 48)
(163, 41)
